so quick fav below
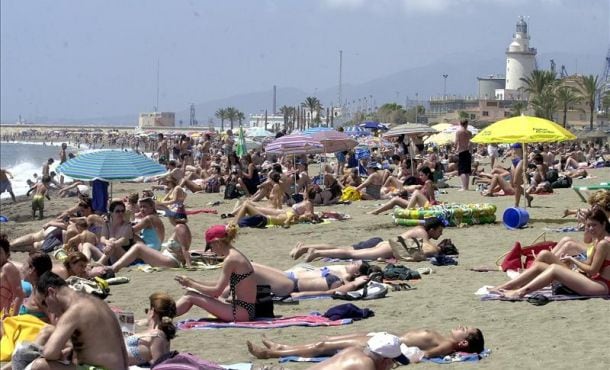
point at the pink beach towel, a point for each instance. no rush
(309, 320)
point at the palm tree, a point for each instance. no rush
(537, 81)
(221, 114)
(566, 97)
(287, 112)
(589, 87)
(517, 108)
(540, 86)
(232, 115)
(240, 116)
(606, 101)
(313, 105)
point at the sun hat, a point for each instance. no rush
(388, 346)
(214, 233)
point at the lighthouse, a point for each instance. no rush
(520, 58)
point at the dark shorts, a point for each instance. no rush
(258, 221)
(464, 163)
(370, 243)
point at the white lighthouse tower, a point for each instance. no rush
(520, 59)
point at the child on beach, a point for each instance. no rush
(40, 193)
(11, 294)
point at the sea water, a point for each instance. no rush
(23, 160)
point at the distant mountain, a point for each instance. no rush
(461, 69)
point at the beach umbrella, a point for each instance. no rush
(375, 142)
(333, 141)
(410, 129)
(447, 135)
(373, 125)
(241, 150)
(523, 129)
(295, 144)
(110, 165)
(356, 131)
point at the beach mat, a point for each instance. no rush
(455, 357)
(195, 266)
(283, 322)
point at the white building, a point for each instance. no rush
(157, 119)
(520, 60)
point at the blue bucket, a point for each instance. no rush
(515, 218)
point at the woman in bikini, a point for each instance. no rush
(372, 184)
(237, 274)
(302, 211)
(318, 282)
(420, 195)
(75, 264)
(175, 196)
(146, 347)
(591, 277)
(174, 252)
(116, 236)
(11, 294)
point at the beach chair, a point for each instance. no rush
(601, 186)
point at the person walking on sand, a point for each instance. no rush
(5, 183)
(86, 321)
(462, 147)
(39, 194)
(63, 157)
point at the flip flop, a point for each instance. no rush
(538, 299)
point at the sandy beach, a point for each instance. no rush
(520, 335)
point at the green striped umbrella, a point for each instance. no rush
(241, 143)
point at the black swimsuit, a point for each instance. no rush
(250, 307)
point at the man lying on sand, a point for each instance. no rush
(434, 344)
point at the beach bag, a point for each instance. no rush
(519, 258)
(257, 221)
(562, 182)
(212, 186)
(231, 191)
(18, 329)
(407, 249)
(552, 175)
(372, 290)
(50, 243)
(399, 272)
(348, 311)
(96, 286)
(448, 248)
(264, 301)
(183, 361)
(349, 194)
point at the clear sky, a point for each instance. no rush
(92, 58)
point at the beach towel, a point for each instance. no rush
(284, 359)
(534, 297)
(195, 266)
(283, 322)
(18, 329)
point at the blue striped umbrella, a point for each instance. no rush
(356, 131)
(312, 130)
(110, 165)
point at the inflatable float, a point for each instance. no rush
(453, 214)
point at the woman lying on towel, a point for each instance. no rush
(571, 246)
(237, 274)
(432, 343)
(313, 283)
(299, 212)
(146, 347)
(373, 249)
(591, 277)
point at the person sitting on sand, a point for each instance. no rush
(237, 274)
(370, 189)
(572, 247)
(352, 178)
(320, 282)
(418, 195)
(549, 268)
(34, 267)
(90, 324)
(433, 343)
(11, 294)
(174, 252)
(175, 196)
(150, 227)
(432, 229)
(146, 347)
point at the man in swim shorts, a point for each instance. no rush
(87, 321)
(462, 147)
(5, 183)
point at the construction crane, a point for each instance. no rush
(564, 72)
(552, 66)
(605, 80)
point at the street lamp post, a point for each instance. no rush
(445, 86)
(416, 108)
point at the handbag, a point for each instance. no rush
(264, 301)
(407, 249)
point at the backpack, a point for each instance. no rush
(399, 272)
(231, 191)
(562, 182)
(552, 175)
(264, 301)
(448, 248)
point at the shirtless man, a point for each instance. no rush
(63, 157)
(433, 343)
(39, 195)
(86, 327)
(462, 147)
(46, 167)
(162, 149)
(5, 183)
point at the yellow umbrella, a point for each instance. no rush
(523, 129)
(442, 138)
